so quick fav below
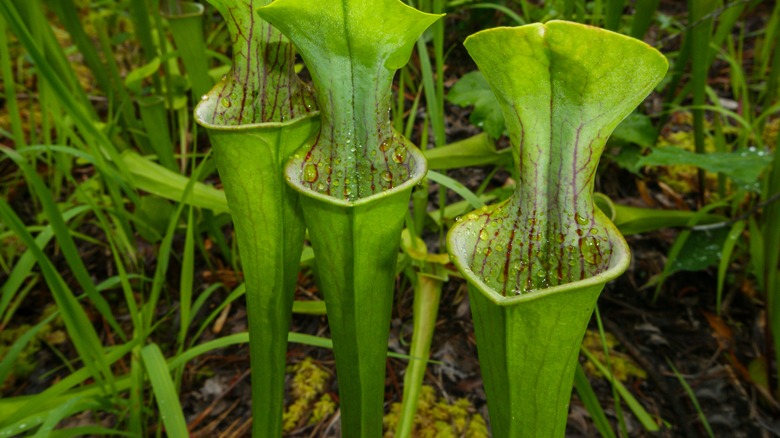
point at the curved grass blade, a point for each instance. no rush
(78, 325)
(64, 238)
(164, 391)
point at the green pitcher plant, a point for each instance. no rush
(256, 117)
(355, 177)
(536, 263)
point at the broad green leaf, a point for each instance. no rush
(744, 167)
(473, 89)
(700, 251)
(537, 262)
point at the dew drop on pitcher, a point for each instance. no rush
(399, 154)
(310, 173)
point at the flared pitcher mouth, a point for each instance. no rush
(203, 104)
(459, 255)
(293, 174)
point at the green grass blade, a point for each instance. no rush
(9, 359)
(613, 14)
(78, 325)
(643, 17)
(431, 98)
(77, 110)
(770, 234)
(456, 187)
(9, 87)
(56, 415)
(591, 402)
(186, 280)
(518, 20)
(647, 420)
(26, 262)
(692, 397)
(68, 14)
(82, 431)
(700, 49)
(17, 409)
(164, 391)
(64, 238)
(725, 259)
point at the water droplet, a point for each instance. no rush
(225, 102)
(233, 96)
(594, 231)
(483, 235)
(384, 146)
(458, 219)
(205, 97)
(387, 176)
(582, 220)
(224, 78)
(399, 154)
(335, 183)
(321, 187)
(310, 173)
